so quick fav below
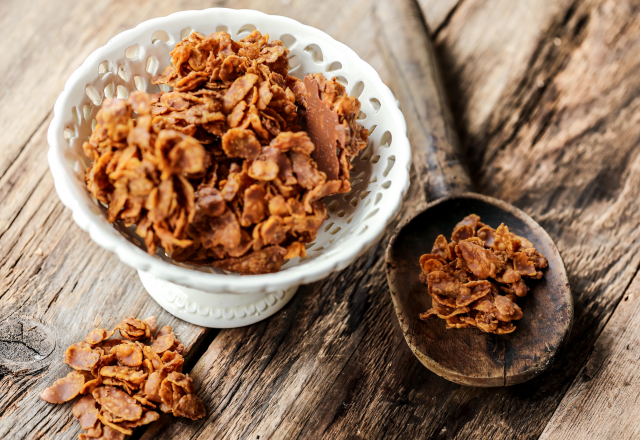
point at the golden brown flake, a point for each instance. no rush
(91, 385)
(487, 234)
(147, 417)
(465, 277)
(134, 329)
(441, 248)
(86, 412)
(471, 220)
(241, 143)
(64, 389)
(127, 374)
(151, 322)
(462, 233)
(127, 381)
(98, 335)
(189, 406)
(480, 261)
(81, 357)
(129, 355)
(118, 403)
(266, 260)
(163, 343)
(200, 168)
(152, 356)
(523, 266)
(472, 291)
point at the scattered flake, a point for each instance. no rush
(127, 380)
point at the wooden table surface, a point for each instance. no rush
(546, 97)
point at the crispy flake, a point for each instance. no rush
(127, 381)
(64, 389)
(199, 169)
(475, 280)
(86, 412)
(81, 358)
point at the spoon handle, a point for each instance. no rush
(404, 43)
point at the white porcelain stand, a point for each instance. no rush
(216, 310)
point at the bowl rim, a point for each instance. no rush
(128, 253)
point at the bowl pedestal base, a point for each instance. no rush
(214, 309)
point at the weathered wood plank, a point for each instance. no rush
(542, 127)
(519, 105)
(547, 112)
(50, 272)
(488, 52)
(602, 401)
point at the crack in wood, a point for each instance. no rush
(24, 346)
(446, 20)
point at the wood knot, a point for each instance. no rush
(25, 344)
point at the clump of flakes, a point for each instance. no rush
(229, 168)
(476, 278)
(124, 382)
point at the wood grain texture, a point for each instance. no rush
(547, 114)
(545, 97)
(603, 400)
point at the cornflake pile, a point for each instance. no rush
(124, 381)
(458, 273)
(229, 168)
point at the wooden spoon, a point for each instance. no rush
(465, 356)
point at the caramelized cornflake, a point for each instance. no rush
(118, 402)
(64, 389)
(127, 381)
(128, 354)
(266, 260)
(134, 329)
(81, 357)
(189, 406)
(481, 262)
(196, 169)
(163, 343)
(466, 277)
(98, 335)
(86, 411)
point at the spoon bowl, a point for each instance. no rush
(469, 356)
(466, 356)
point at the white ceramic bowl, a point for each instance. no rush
(206, 296)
